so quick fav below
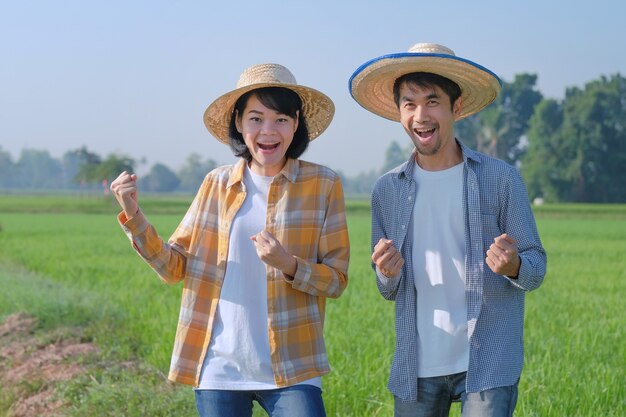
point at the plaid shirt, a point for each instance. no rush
(306, 213)
(494, 202)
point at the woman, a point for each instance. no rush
(262, 246)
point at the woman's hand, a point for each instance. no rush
(124, 188)
(272, 253)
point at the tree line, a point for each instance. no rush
(569, 150)
(81, 169)
(572, 150)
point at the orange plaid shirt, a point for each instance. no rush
(306, 213)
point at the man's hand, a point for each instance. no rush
(502, 256)
(387, 258)
(124, 188)
(272, 253)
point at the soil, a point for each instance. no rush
(32, 363)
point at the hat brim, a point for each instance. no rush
(317, 108)
(371, 85)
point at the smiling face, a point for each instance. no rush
(428, 118)
(267, 135)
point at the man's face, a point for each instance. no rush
(428, 118)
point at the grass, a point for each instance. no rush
(66, 261)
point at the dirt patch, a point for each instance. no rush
(39, 404)
(17, 324)
(32, 362)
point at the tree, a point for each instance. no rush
(112, 166)
(395, 155)
(468, 131)
(37, 169)
(361, 184)
(577, 149)
(88, 163)
(498, 130)
(7, 170)
(193, 172)
(159, 179)
(94, 170)
(541, 164)
(72, 164)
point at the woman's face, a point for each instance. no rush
(267, 134)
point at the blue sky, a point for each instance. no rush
(134, 77)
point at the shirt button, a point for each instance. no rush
(403, 227)
(410, 198)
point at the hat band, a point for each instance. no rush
(419, 55)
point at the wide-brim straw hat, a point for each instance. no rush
(372, 83)
(317, 108)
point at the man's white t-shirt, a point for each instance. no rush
(238, 357)
(439, 263)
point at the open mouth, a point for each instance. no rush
(424, 133)
(267, 146)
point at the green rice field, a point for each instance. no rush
(65, 261)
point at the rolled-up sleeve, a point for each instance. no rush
(519, 222)
(329, 276)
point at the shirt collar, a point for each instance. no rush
(289, 171)
(409, 166)
(236, 175)
(469, 153)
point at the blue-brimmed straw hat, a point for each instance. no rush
(371, 85)
(317, 108)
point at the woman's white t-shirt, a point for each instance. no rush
(238, 356)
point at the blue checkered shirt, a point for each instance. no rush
(495, 201)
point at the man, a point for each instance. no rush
(454, 241)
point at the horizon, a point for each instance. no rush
(134, 79)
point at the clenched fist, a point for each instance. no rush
(502, 256)
(273, 253)
(387, 258)
(124, 188)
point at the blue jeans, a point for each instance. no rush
(294, 401)
(435, 396)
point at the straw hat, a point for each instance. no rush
(371, 85)
(317, 108)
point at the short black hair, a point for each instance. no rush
(427, 80)
(280, 99)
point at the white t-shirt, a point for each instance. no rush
(439, 263)
(238, 356)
